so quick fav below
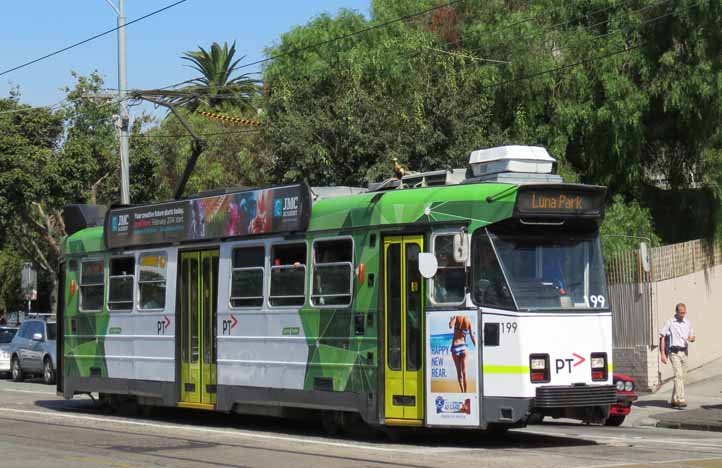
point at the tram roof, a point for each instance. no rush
(416, 206)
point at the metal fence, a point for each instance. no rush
(632, 290)
(630, 296)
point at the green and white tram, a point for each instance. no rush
(467, 298)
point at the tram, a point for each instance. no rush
(471, 298)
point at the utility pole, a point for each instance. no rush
(124, 121)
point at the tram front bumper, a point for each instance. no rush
(584, 402)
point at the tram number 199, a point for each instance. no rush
(508, 327)
(596, 301)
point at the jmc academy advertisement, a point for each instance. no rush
(452, 368)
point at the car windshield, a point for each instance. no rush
(6, 335)
(52, 331)
(553, 273)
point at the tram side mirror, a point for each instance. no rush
(428, 264)
(461, 247)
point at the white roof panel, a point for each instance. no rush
(535, 153)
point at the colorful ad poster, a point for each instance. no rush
(245, 213)
(452, 368)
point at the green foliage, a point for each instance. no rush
(626, 225)
(216, 85)
(624, 94)
(232, 156)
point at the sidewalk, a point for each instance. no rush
(704, 400)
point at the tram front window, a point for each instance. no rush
(553, 273)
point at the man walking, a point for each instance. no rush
(678, 330)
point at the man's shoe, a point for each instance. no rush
(682, 404)
(674, 404)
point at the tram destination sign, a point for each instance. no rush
(237, 214)
(561, 199)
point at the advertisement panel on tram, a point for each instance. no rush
(452, 368)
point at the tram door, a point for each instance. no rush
(403, 293)
(198, 296)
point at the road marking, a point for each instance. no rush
(239, 432)
(670, 441)
(101, 461)
(27, 391)
(652, 464)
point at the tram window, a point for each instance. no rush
(288, 274)
(489, 285)
(120, 283)
(450, 279)
(247, 277)
(332, 272)
(151, 281)
(92, 285)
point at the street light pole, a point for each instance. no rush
(124, 121)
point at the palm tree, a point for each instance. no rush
(216, 84)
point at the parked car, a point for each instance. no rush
(625, 397)
(32, 350)
(6, 336)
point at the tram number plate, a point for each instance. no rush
(596, 301)
(509, 328)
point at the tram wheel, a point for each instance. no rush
(393, 434)
(497, 430)
(614, 420)
(333, 422)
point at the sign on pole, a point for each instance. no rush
(28, 280)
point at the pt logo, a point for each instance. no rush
(229, 325)
(163, 325)
(561, 364)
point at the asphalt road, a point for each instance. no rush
(38, 429)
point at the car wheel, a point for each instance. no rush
(16, 370)
(48, 372)
(614, 420)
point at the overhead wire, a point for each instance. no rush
(209, 134)
(92, 38)
(32, 108)
(351, 34)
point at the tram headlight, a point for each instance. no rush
(598, 363)
(539, 368)
(538, 364)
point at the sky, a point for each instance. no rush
(33, 28)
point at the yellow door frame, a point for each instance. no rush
(197, 375)
(403, 388)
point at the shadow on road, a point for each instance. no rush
(652, 404)
(311, 427)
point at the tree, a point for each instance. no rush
(51, 159)
(217, 84)
(29, 224)
(625, 95)
(625, 225)
(233, 156)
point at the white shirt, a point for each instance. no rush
(680, 330)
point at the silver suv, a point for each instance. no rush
(32, 351)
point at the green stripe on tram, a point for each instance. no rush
(506, 369)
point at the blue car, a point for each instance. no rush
(32, 351)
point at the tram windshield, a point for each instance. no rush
(551, 273)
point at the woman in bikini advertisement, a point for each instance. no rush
(452, 369)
